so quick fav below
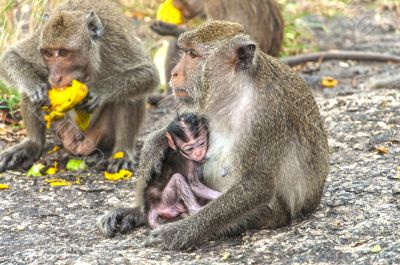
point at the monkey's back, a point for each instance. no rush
(262, 20)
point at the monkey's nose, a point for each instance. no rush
(55, 80)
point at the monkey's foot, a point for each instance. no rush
(22, 155)
(116, 164)
(173, 236)
(121, 220)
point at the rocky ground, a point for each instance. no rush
(358, 220)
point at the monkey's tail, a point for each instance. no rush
(340, 55)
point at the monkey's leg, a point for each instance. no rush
(178, 186)
(202, 191)
(121, 220)
(24, 154)
(260, 217)
(129, 116)
(75, 141)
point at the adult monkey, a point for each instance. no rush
(261, 18)
(263, 21)
(95, 44)
(264, 126)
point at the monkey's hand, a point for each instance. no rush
(166, 29)
(89, 104)
(121, 220)
(39, 95)
(22, 155)
(173, 236)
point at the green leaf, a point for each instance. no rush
(76, 164)
(34, 171)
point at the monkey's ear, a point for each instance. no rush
(171, 141)
(94, 25)
(245, 54)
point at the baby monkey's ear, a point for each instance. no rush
(171, 141)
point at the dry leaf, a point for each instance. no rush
(382, 149)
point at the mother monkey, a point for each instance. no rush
(265, 127)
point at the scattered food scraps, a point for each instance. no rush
(329, 82)
(118, 155)
(55, 149)
(76, 164)
(35, 170)
(52, 170)
(168, 13)
(376, 249)
(4, 186)
(122, 174)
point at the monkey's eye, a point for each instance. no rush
(188, 149)
(192, 54)
(202, 143)
(46, 53)
(62, 52)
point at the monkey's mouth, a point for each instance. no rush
(181, 93)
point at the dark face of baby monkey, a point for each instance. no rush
(188, 135)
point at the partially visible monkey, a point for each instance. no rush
(178, 191)
(264, 126)
(95, 44)
(261, 18)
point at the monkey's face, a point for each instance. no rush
(67, 45)
(194, 148)
(185, 76)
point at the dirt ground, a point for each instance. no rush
(359, 217)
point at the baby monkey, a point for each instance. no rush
(178, 192)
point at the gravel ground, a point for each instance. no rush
(40, 224)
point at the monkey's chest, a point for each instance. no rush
(219, 165)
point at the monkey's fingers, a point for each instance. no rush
(172, 236)
(115, 165)
(39, 97)
(90, 103)
(164, 29)
(5, 157)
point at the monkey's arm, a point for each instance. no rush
(22, 66)
(136, 81)
(167, 29)
(152, 155)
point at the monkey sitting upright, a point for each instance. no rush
(92, 42)
(177, 191)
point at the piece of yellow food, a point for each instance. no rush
(118, 155)
(4, 186)
(65, 99)
(329, 82)
(52, 170)
(122, 174)
(168, 13)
